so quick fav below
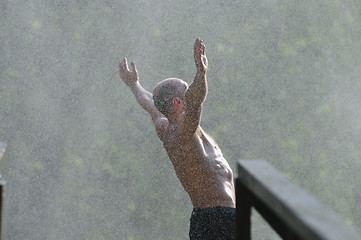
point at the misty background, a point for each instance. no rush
(83, 159)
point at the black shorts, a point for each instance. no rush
(216, 223)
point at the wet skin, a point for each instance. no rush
(197, 159)
(201, 168)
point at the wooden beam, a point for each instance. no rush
(243, 212)
(304, 216)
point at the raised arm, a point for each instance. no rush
(144, 98)
(197, 91)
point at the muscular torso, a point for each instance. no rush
(201, 168)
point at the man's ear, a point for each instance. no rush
(176, 101)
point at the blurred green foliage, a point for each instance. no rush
(83, 159)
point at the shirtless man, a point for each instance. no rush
(205, 175)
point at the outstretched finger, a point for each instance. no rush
(122, 64)
(203, 49)
(134, 68)
(197, 43)
(126, 64)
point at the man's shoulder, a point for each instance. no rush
(161, 122)
(161, 126)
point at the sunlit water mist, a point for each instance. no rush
(83, 159)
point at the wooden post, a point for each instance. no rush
(2, 195)
(243, 212)
(2, 187)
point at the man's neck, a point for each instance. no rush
(174, 117)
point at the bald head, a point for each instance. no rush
(165, 91)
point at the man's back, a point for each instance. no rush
(200, 167)
(205, 175)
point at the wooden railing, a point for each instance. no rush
(2, 185)
(289, 210)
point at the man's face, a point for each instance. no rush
(179, 102)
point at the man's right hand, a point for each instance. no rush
(200, 56)
(128, 77)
